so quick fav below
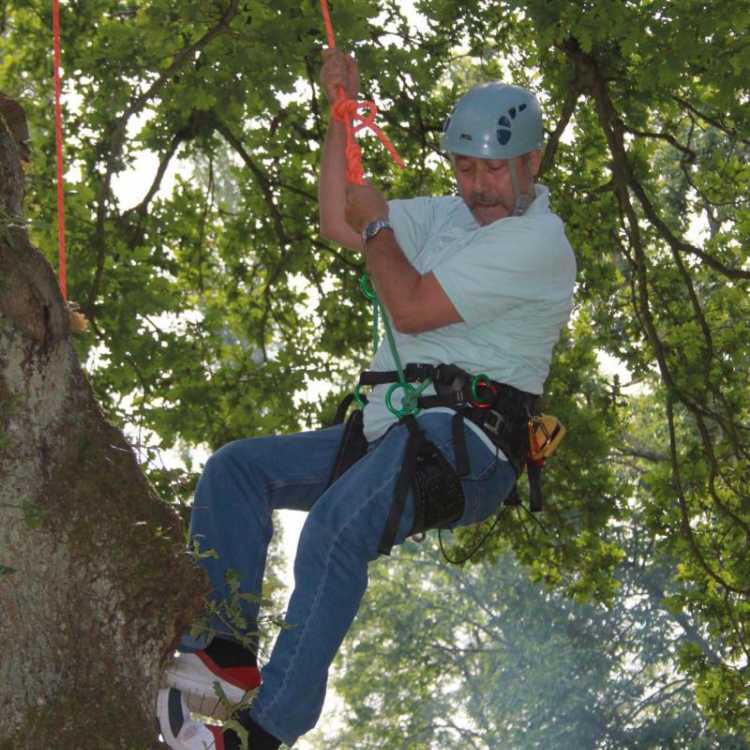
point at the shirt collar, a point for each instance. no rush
(540, 204)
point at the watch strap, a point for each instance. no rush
(374, 227)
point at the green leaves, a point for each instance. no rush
(218, 312)
(481, 657)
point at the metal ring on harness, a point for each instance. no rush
(409, 403)
(358, 397)
(485, 401)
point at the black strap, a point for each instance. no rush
(451, 400)
(343, 407)
(414, 444)
(413, 372)
(534, 471)
(352, 447)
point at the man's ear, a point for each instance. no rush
(535, 161)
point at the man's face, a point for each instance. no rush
(486, 186)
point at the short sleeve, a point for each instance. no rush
(412, 221)
(507, 264)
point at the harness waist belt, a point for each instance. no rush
(500, 410)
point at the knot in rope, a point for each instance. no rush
(358, 116)
(349, 112)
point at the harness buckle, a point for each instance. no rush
(493, 422)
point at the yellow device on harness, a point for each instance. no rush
(545, 434)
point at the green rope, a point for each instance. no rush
(411, 394)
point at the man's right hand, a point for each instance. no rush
(339, 69)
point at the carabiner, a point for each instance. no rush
(483, 402)
(408, 402)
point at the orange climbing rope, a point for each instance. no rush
(77, 320)
(59, 144)
(350, 112)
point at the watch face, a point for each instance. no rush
(374, 227)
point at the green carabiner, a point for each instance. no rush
(476, 381)
(358, 396)
(408, 403)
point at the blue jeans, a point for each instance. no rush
(246, 480)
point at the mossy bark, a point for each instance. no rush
(95, 586)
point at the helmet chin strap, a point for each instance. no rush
(523, 200)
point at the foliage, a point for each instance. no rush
(218, 312)
(482, 658)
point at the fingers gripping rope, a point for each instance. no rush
(350, 112)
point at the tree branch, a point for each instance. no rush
(715, 122)
(569, 106)
(117, 135)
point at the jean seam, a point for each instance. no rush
(274, 486)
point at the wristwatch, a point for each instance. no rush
(373, 228)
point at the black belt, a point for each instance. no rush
(502, 411)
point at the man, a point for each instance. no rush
(481, 282)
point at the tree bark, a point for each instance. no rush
(95, 585)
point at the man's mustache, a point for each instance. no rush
(482, 199)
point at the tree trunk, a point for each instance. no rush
(95, 585)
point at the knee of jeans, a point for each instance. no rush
(236, 456)
(338, 537)
(226, 454)
(232, 471)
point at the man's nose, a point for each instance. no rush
(483, 180)
(483, 185)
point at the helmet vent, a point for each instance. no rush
(503, 131)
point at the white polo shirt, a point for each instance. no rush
(511, 281)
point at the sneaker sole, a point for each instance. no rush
(198, 685)
(178, 729)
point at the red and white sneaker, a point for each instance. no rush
(201, 680)
(179, 730)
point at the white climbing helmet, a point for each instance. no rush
(494, 121)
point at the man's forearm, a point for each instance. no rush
(332, 180)
(394, 278)
(416, 302)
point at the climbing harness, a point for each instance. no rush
(507, 415)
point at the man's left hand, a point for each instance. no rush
(364, 204)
